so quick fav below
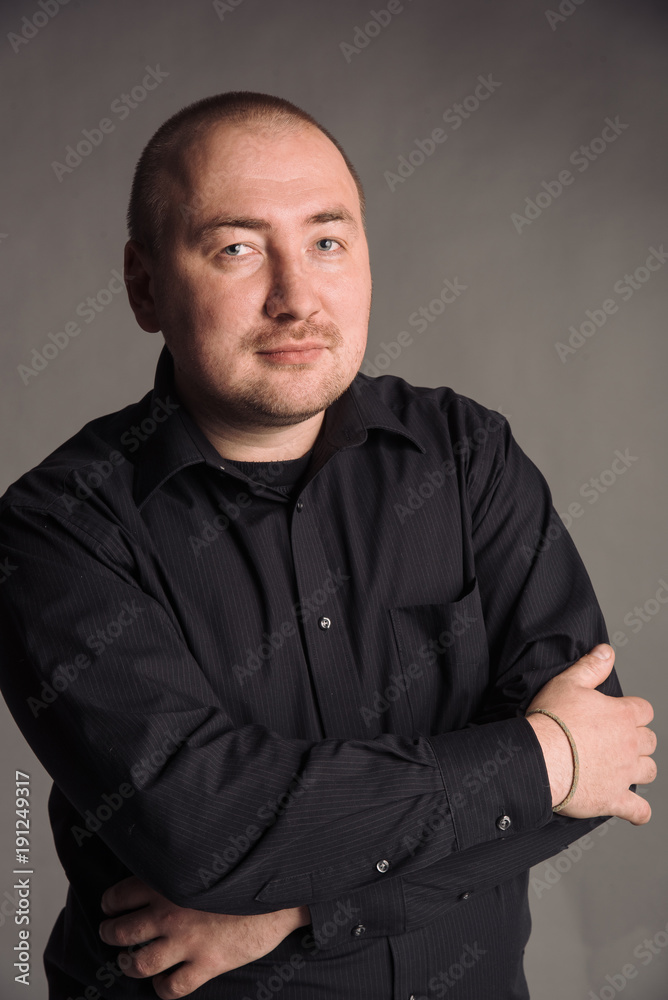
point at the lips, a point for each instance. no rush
(302, 345)
(304, 352)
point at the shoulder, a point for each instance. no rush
(93, 451)
(473, 439)
(436, 409)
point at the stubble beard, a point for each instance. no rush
(263, 401)
(269, 395)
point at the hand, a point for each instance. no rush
(207, 943)
(611, 737)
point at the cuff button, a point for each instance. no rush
(503, 822)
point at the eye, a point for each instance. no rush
(326, 239)
(234, 248)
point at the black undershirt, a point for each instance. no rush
(282, 476)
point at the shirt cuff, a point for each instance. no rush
(376, 911)
(495, 779)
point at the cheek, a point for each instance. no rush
(351, 296)
(355, 309)
(206, 307)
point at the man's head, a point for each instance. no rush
(246, 225)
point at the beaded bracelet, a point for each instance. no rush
(576, 761)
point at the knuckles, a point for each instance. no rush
(125, 936)
(143, 966)
(170, 991)
(652, 769)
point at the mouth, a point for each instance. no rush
(294, 354)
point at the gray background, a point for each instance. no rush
(60, 241)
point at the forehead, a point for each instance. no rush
(253, 167)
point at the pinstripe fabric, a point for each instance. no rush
(259, 688)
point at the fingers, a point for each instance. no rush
(647, 771)
(128, 894)
(644, 713)
(133, 928)
(173, 985)
(151, 959)
(646, 741)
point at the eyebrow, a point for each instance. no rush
(336, 214)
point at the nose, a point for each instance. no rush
(292, 294)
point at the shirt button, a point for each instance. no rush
(465, 895)
(324, 622)
(382, 866)
(503, 822)
(359, 930)
(299, 505)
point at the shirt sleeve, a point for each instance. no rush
(541, 615)
(98, 676)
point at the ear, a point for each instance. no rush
(138, 268)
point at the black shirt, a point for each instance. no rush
(305, 685)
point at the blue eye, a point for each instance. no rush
(326, 240)
(232, 246)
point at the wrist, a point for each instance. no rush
(296, 916)
(557, 754)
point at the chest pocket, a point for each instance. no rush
(443, 653)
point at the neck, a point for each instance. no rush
(243, 443)
(262, 444)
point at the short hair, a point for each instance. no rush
(149, 206)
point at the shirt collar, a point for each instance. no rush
(172, 440)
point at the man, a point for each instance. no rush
(274, 630)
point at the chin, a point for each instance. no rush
(282, 407)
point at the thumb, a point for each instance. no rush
(592, 668)
(634, 808)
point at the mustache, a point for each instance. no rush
(268, 337)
